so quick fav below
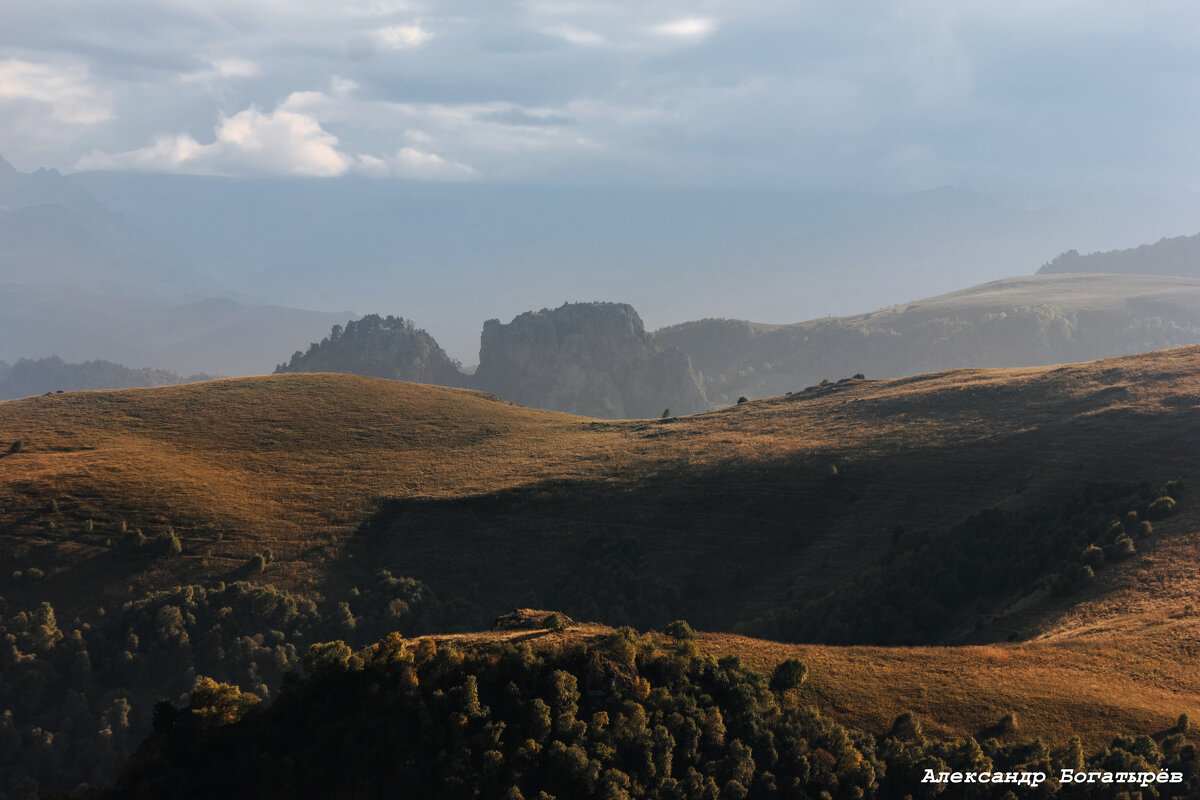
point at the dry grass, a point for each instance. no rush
(296, 462)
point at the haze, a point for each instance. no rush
(455, 162)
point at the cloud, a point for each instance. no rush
(418, 165)
(290, 140)
(577, 36)
(250, 142)
(686, 28)
(225, 68)
(67, 93)
(402, 37)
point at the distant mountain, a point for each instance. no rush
(1179, 255)
(38, 376)
(53, 232)
(675, 255)
(1025, 321)
(379, 347)
(216, 336)
(594, 359)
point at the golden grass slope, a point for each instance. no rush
(295, 462)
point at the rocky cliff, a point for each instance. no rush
(594, 359)
(380, 347)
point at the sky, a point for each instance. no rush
(1028, 95)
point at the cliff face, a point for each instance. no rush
(594, 359)
(378, 347)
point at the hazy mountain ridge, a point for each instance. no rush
(1176, 255)
(53, 232)
(79, 282)
(37, 376)
(1027, 321)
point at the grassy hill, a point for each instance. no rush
(1022, 321)
(759, 518)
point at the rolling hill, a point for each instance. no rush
(776, 518)
(1023, 321)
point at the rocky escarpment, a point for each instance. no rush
(594, 359)
(380, 347)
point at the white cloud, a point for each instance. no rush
(402, 37)
(576, 35)
(686, 28)
(290, 140)
(423, 166)
(225, 68)
(249, 142)
(67, 92)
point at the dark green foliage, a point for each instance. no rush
(788, 674)
(381, 347)
(1161, 508)
(742, 399)
(91, 689)
(553, 622)
(929, 582)
(576, 722)
(680, 630)
(256, 564)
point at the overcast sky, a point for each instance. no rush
(1032, 94)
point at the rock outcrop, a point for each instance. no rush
(594, 359)
(380, 347)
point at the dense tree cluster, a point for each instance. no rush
(379, 347)
(76, 698)
(617, 717)
(930, 582)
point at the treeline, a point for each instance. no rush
(379, 347)
(29, 376)
(76, 697)
(619, 716)
(930, 583)
(1176, 255)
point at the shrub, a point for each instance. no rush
(256, 564)
(906, 727)
(858, 376)
(666, 413)
(788, 674)
(1123, 547)
(1161, 508)
(553, 622)
(34, 574)
(1093, 556)
(1182, 724)
(16, 446)
(1143, 529)
(680, 630)
(1008, 723)
(742, 399)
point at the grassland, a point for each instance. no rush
(727, 514)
